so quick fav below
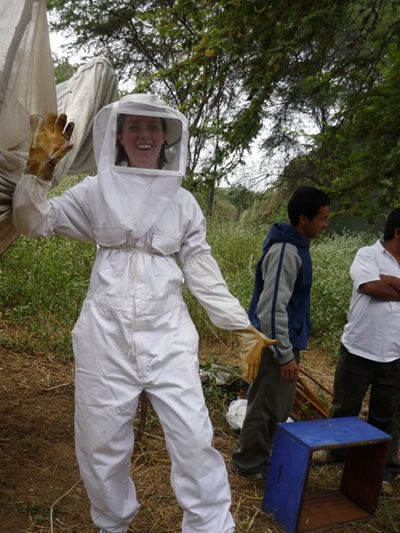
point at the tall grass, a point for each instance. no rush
(44, 281)
(42, 285)
(332, 286)
(236, 250)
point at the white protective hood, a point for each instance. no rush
(131, 198)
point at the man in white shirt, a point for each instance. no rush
(370, 349)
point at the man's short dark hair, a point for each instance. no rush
(306, 201)
(392, 222)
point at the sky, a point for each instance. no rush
(57, 40)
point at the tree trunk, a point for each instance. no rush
(210, 199)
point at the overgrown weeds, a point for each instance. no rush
(332, 285)
(43, 283)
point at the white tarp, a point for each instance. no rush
(27, 87)
(92, 87)
(26, 70)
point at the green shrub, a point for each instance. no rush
(42, 285)
(44, 281)
(236, 251)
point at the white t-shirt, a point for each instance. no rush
(373, 327)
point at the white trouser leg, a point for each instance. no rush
(104, 444)
(109, 379)
(198, 474)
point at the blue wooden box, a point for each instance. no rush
(357, 496)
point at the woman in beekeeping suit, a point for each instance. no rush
(134, 332)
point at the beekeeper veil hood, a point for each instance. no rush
(140, 146)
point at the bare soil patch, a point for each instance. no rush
(40, 487)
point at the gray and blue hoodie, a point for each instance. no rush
(280, 306)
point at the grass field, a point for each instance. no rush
(42, 286)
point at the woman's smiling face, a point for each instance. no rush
(142, 137)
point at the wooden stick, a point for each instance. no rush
(316, 382)
(305, 393)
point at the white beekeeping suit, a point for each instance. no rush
(134, 332)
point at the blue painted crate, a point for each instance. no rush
(357, 497)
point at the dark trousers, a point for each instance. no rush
(269, 401)
(353, 376)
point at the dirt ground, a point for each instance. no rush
(40, 487)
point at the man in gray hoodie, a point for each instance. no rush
(280, 308)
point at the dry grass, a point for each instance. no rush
(40, 489)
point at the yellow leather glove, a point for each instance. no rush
(251, 343)
(50, 143)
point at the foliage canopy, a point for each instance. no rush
(234, 67)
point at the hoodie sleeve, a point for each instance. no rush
(280, 269)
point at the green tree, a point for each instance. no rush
(363, 166)
(332, 64)
(241, 197)
(63, 70)
(232, 66)
(152, 43)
